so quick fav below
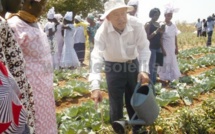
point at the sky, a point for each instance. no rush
(189, 10)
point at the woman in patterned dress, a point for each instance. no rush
(35, 47)
(10, 105)
(11, 55)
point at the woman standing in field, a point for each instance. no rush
(69, 57)
(170, 70)
(35, 47)
(154, 33)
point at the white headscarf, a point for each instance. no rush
(133, 2)
(58, 16)
(68, 16)
(77, 17)
(170, 8)
(51, 13)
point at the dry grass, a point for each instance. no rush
(187, 38)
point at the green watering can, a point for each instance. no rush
(145, 107)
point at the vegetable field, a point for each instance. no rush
(187, 105)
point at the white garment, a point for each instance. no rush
(169, 70)
(204, 28)
(111, 46)
(198, 25)
(58, 38)
(49, 25)
(79, 35)
(69, 56)
(210, 26)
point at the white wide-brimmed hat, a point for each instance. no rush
(111, 5)
(77, 17)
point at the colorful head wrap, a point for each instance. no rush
(90, 16)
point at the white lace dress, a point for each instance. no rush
(170, 69)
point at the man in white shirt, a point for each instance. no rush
(199, 27)
(119, 42)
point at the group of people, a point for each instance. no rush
(28, 54)
(26, 77)
(132, 52)
(67, 38)
(205, 28)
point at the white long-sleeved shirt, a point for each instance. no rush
(79, 35)
(114, 47)
(198, 25)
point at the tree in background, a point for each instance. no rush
(77, 6)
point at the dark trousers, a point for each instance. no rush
(209, 38)
(204, 34)
(121, 81)
(80, 50)
(199, 31)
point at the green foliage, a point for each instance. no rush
(85, 119)
(77, 6)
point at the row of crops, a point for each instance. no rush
(86, 118)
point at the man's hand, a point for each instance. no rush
(96, 96)
(143, 78)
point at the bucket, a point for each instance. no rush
(144, 104)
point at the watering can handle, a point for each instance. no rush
(139, 85)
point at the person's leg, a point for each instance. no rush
(132, 73)
(82, 52)
(209, 38)
(78, 50)
(83, 47)
(116, 81)
(199, 33)
(153, 66)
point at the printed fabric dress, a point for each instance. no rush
(10, 105)
(34, 44)
(170, 69)
(69, 56)
(12, 56)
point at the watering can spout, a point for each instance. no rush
(119, 126)
(137, 122)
